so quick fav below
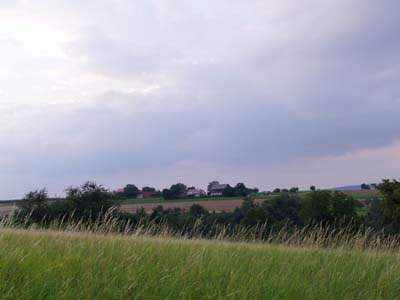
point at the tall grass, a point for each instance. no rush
(108, 259)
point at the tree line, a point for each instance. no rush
(287, 209)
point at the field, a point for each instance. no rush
(364, 194)
(159, 200)
(61, 265)
(216, 205)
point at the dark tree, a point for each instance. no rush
(365, 186)
(33, 206)
(148, 189)
(247, 205)
(313, 188)
(89, 200)
(34, 199)
(166, 194)
(131, 191)
(175, 191)
(241, 189)
(254, 216)
(391, 203)
(178, 190)
(228, 191)
(294, 190)
(198, 211)
(283, 209)
(325, 206)
(315, 207)
(342, 206)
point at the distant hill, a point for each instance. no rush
(350, 188)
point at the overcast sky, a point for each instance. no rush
(272, 93)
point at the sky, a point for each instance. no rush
(270, 93)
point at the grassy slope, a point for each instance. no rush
(37, 265)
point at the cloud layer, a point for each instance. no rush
(154, 93)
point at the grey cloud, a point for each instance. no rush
(239, 99)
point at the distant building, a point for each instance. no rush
(216, 189)
(194, 192)
(144, 195)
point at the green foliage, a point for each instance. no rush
(229, 191)
(85, 202)
(148, 189)
(33, 206)
(89, 200)
(198, 211)
(239, 190)
(325, 206)
(391, 203)
(34, 199)
(254, 216)
(175, 191)
(131, 191)
(283, 210)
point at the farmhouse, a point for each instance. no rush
(194, 192)
(216, 189)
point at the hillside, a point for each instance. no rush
(57, 265)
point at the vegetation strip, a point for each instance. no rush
(59, 265)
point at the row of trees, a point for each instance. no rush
(239, 190)
(86, 202)
(284, 210)
(131, 191)
(90, 200)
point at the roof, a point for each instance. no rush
(218, 187)
(194, 190)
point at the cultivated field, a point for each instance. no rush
(61, 265)
(216, 205)
(6, 209)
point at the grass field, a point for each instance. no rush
(57, 265)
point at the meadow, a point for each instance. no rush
(54, 264)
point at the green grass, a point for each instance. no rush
(56, 265)
(366, 196)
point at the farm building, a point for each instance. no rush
(216, 189)
(194, 192)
